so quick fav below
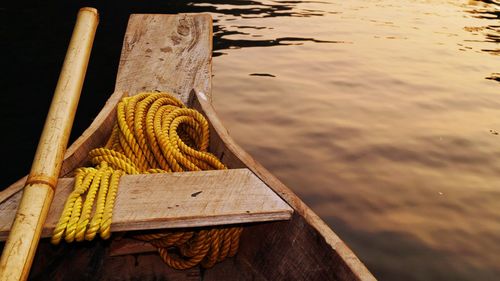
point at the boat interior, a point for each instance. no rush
(282, 238)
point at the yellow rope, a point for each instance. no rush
(154, 133)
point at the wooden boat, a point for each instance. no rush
(283, 241)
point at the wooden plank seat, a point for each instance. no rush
(174, 200)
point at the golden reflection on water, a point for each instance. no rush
(378, 114)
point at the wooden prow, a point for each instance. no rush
(303, 248)
(176, 62)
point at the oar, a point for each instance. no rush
(22, 242)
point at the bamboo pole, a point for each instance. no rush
(33, 209)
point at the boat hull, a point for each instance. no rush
(173, 53)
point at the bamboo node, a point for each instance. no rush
(42, 179)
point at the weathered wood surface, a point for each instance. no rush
(166, 53)
(188, 199)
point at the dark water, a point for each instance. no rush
(384, 116)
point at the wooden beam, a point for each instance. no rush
(170, 53)
(188, 199)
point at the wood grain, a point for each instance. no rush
(188, 199)
(166, 53)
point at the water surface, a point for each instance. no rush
(382, 116)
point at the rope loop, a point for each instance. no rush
(154, 133)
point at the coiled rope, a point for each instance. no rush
(155, 133)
